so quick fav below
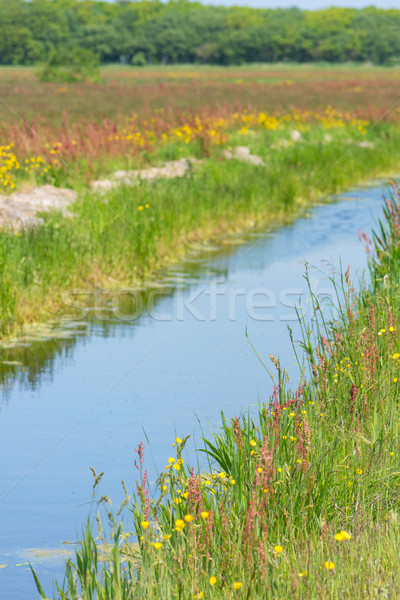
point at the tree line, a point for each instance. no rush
(180, 31)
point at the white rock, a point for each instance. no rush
(174, 168)
(295, 135)
(243, 153)
(366, 144)
(19, 208)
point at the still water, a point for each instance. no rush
(89, 400)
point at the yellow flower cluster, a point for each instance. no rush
(332, 118)
(134, 135)
(215, 130)
(11, 166)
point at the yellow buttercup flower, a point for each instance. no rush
(179, 524)
(188, 518)
(204, 515)
(342, 535)
(253, 443)
(212, 580)
(158, 545)
(145, 524)
(329, 565)
(237, 585)
(278, 549)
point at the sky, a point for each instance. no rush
(307, 4)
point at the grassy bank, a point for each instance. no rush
(121, 238)
(302, 502)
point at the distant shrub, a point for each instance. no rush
(77, 65)
(139, 60)
(393, 62)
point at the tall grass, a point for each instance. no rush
(302, 501)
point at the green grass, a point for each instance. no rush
(268, 512)
(365, 89)
(109, 242)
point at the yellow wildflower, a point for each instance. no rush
(188, 518)
(342, 535)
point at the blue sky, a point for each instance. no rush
(307, 4)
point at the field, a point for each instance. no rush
(318, 129)
(304, 501)
(365, 90)
(134, 116)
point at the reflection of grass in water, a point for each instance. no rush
(27, 357)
